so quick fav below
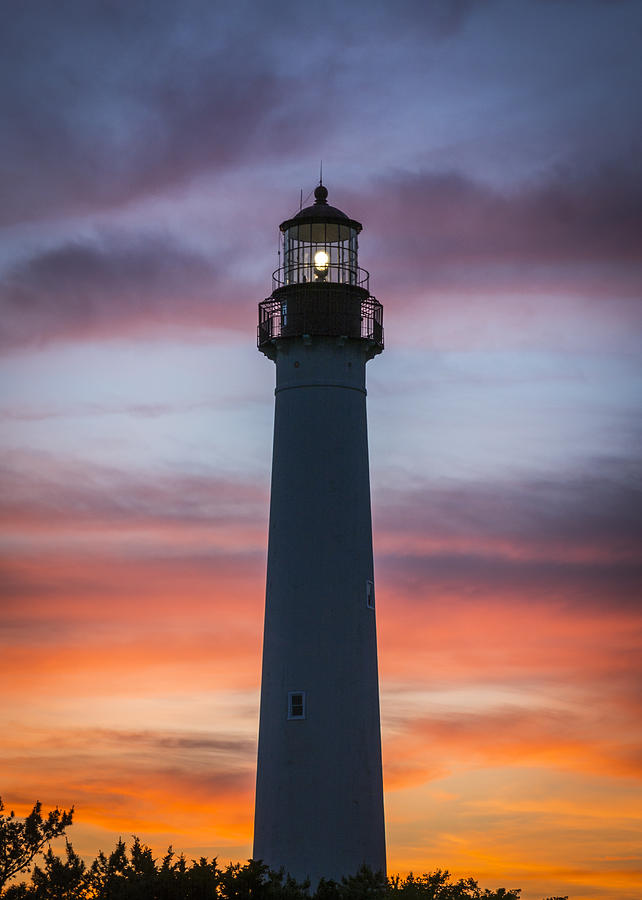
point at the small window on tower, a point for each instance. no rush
(370, 600)
(296, 705)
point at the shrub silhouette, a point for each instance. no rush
(134, 874)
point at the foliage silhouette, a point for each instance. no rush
(134, 874)
(22, 840)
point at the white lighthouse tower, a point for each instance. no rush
(319, 797)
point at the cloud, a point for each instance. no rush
(107, 104)
(569, 739)
(437, 231)
(132, 781)
(131, 655)
(509, 645)
(107, 573)
(597, 507)
(114, 284)
(574, 537)
(533, 586)
(39, 489)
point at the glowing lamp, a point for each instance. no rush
(321, 263)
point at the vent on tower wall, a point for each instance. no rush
(296, 705)
(370, 597)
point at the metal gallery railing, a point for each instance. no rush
(306, 273)
(320, 309)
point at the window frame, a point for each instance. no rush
(291, 716)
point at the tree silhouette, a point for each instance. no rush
(21, 840)
(61, 878)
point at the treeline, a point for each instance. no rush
(132, 873)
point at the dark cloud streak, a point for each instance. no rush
(34, 494)
(575, 540)
(106, 286)
(443, 230)
(600, 505)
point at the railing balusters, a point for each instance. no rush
(318, 309)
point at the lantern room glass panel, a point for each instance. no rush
(321, 252)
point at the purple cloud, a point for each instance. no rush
(112, 285)
(572, 539)
(436, 231)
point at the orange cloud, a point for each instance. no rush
(562, 739)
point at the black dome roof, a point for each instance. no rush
(320, 211)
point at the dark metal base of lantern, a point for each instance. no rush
(321, 308)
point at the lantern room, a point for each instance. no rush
(320, 244)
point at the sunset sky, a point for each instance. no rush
(493, 151)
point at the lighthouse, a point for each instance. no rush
(319, 796)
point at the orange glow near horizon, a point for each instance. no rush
(497, 763)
